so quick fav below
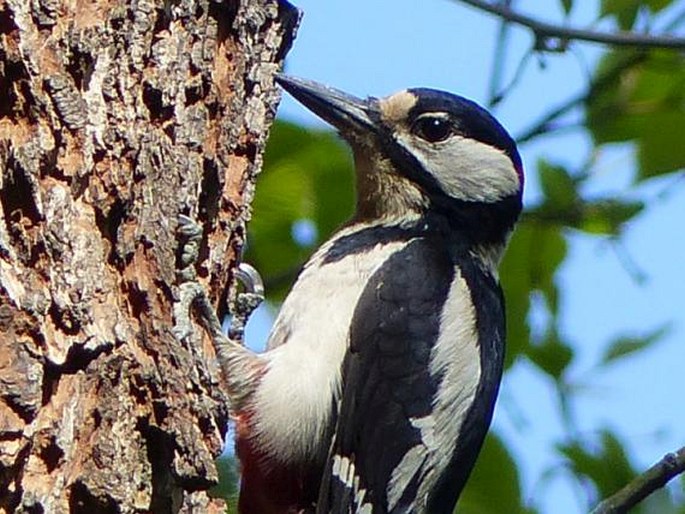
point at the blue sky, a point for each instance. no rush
(376, 47)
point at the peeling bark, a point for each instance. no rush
(116, 116)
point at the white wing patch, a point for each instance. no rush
(455, 357)
(412, 463)
(344, 470)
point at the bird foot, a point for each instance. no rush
(245, 302)
(238, 364)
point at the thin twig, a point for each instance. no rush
(544, 31)
(515, 79)
(643, 485)
(499, 60)
(630, 266)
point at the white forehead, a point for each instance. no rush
(396, 107)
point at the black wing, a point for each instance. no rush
(386, 380)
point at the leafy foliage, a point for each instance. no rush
(604, 463)
(478, 498)
(626, 11)
(307, 176)
(644, 104)
(227, 488)
(629, 345)
(535, 252)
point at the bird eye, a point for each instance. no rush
(432, 128)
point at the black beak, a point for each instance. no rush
(347, 113)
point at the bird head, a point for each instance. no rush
(423, 151)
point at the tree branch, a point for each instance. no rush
(545, 31)
(645, 484)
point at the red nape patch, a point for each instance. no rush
(267, 486)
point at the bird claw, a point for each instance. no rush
(250, 278)
(189, 234)
(192, 293)
(239, 365)
(245, 303)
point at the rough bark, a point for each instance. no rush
(116, 116)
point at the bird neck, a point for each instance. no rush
(481, 223)
(364, 233)
(482, 229)
(383, 194)
(485, 243)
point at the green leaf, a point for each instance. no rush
(494, 486)
(608, 216)
(517, 291)
(557, 185)
(547, 252)
(657, 5)
(553, 356)
(605, 463)
(661, 147)
(644, 104)
(628, 345)
(625, 11)
(567, 5)
(530, 264)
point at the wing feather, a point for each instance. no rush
(387, 385)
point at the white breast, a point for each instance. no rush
(306, 349)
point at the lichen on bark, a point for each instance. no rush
(116, 116)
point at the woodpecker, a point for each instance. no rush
(382, 368)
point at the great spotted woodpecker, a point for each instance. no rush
(380, 378)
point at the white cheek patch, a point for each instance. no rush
(466, 169)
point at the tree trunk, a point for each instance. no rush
(116, 116)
